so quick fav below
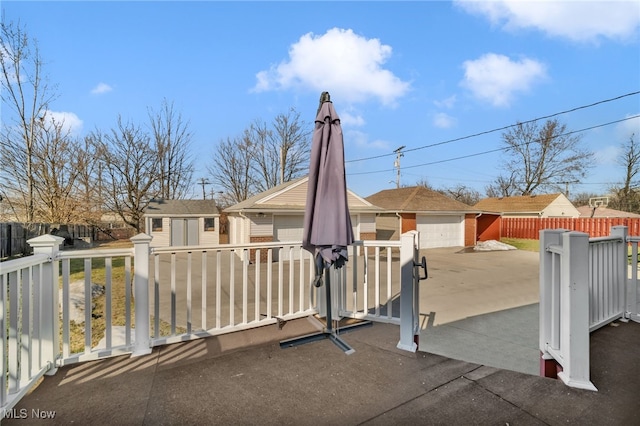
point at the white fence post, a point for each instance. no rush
(548, 316)
(49, 310)
(574, 309)
(622, 268)
(142, 344)
(408, 282)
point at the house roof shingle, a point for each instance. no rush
(181, 208)
(417, 199)
(520, 204)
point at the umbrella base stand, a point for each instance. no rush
(328, 331)
(330, 334)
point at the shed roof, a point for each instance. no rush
(193, 208)
(519, 204)
(417, 199)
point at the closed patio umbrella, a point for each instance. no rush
(327, 224)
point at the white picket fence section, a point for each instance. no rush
(181, 293)
(584, 285)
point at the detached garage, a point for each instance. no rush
(278, 215)
(441, 221)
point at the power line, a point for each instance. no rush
(494, 150)
(500, 128)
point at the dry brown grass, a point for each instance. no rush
(118, 302)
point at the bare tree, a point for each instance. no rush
(232, 168)
(626, 196)
(26, 93)
(502, 187)
(130, 169)
(463, 194)
(543, 157)
(56, 174)
(172, 140)
(281, 153)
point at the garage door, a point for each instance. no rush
(287, 228)
(440, 231)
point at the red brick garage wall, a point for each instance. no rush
(469, 230)
(263, 253)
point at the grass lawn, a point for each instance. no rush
(118, 301)
(522, 244)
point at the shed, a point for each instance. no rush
(278, 215)
(441, 220)
(182, 222)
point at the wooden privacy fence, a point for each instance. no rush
(530, 227)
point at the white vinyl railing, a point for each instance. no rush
(147, 297)
(584, 285)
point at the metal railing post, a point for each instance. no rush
(408, 281)
(49, 310)
(142, 343)
(621, 268)
(547, 317)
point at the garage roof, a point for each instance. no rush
(292, 197)
(520, 204)
(418, 199)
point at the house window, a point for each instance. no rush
(209, 224)
(156, 224)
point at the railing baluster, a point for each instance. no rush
(87, 305)
(218, 288)
(291, 292)
(232, 287)
(189, 318)
(280, 282)
(377, 282)
(173, 293)
(245, 286)
(156, 295)
(127, 297)
(256, 314)
(25, 339)
(66, 323)
(389, 282)
(107, 301)
(269, 282)
(203, 291)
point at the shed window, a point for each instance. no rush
(156, 224)
(209, 224)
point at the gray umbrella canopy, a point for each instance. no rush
(327, 223)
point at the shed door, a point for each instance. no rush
(440, 231)
(184, 232)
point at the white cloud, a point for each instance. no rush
(348, 119)
(347, 65)
(443, 121)
(361, 140)
(581, 21)
(497, 79)
(447, 103)
(101, 88)
(70, 122)
(607, 155)
(625, 129)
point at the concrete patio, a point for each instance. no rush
(246, 378)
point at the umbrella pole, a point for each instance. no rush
(328, 332)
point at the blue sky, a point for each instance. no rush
(411, 74)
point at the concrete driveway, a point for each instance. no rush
(482, 307)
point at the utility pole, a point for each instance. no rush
(396, 164)
(203, 182)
